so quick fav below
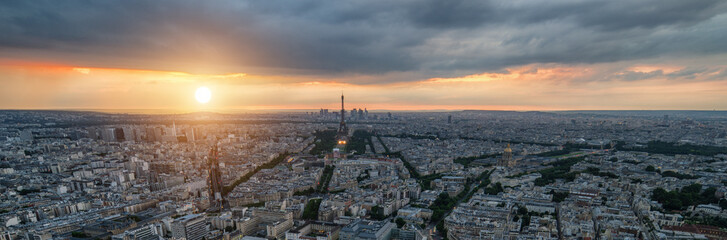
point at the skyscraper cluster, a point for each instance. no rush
(360, 114)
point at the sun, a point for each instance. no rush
(203, 94)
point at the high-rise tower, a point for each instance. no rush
(342, 129)
(215, 178)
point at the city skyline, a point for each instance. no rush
(400, 175)
(363, 120)
(458, 55)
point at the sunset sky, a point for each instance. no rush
(382, 54)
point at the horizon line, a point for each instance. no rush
(163, 111)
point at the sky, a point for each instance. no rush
(382, 54)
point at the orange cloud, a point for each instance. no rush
(82, 70)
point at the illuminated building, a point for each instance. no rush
(342, 128)
(506, 159)
(342, 136)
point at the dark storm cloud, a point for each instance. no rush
(605, 15)
(451, 14)
(432, 37)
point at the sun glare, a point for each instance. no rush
(203, 94)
